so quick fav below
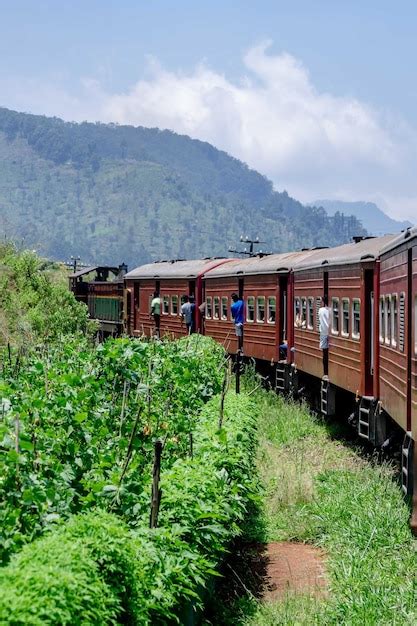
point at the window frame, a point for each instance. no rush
(172, 305)
(335, 299)
(268, 309)
(401, 313)
(224, 317)
(209, 308)
(354, 335)
(388, 319)
(310, 313)
(381, 320)
(394, 320)
(166, 301)
(258, 319)
(216, 306)
(343, 332)
(249, 300)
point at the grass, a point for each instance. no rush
(318, 490)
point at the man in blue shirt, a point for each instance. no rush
(238, 314)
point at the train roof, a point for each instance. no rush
(175, 268)
(92, 268)
(405, 235)
(268, 264)
(366, 249)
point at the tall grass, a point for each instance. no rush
(320, 491)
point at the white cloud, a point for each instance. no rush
(311, 143)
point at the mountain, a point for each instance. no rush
(118, 193)
(372, 217)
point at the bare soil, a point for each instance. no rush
(294, 568)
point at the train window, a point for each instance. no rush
(401, 320)
(224, 307)
(388, 320)
(381, 320)
(310, 313)
(182, 300)
(297, 312)
(216, 307)
(209, 307)
(272, 309)
(318, 305)
(250, 310)
(260, 309)
(356, 319)
(174, 305)
(303, 312)
(345, 317)
(335, 316)
(394, 321)
(165, 305)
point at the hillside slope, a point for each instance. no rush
(118, 193)
(372, 217)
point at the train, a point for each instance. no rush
(371, 287)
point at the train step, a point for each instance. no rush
(282, 378)
(372, 421)
(365, 422)
(327, 398)
(407, 465)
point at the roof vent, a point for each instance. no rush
(358, 238)
(407, 233)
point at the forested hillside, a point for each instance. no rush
(118, 193)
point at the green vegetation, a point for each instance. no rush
(35, 304)
(79, 424)
(322, 492)
(95, 570)
(107, 192)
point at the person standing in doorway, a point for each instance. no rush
(156, 312)
(324, 330)
(238, 312)
(187, 313)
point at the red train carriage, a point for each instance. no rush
(348, 275)
(397, 339)
(263, 283)
(172, 280)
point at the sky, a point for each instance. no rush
(320, 96)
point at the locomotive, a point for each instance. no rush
(371, 287)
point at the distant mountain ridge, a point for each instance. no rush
(121, 193)
(371, 216)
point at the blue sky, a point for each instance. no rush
(320, 96)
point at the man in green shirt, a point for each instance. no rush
(156, 312)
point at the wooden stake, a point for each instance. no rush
(156, 491)
(224, 389)
(238, 371)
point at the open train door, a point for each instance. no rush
(369, 330)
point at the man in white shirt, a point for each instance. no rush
(324, 329)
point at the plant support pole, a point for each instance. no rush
(156, 491)
(238, 371)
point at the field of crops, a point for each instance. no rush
(81, 431)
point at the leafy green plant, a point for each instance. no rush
(81, 421)
(139, 575)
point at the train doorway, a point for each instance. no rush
(282, 310)
(368, 329)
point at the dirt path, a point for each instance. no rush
(294, 567)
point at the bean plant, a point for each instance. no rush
(78, 425)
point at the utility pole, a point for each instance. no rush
(251, 252)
